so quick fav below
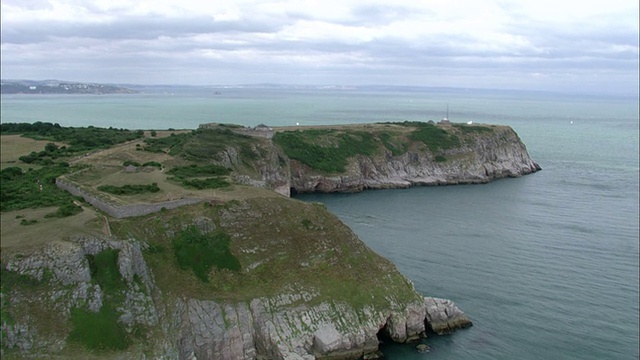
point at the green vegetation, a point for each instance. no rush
(396, 148)
(65, 210)
(12, 280)
(434, 137)
(26, 222)
(326, 150)
(200, 252)
(469, 129)
(183, 174)
(32, 189)
(129, 189)
(194, 170)
(130, 162)
(170, 145)
(440, 158)
(80, 139)
(208, 183)
(153, 164)
(102, 330)
(207, 143)
(98, 331)
(104, 270)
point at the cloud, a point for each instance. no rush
(478, 43)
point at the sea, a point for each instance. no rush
(546, 265)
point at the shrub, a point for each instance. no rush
(208, 183)
(130, 162)
(440, 158)
(195, 171)
(65, 210)
(129, 189)
(21, 190)
(325, 150)
(153, 163)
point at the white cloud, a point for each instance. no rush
(481, 42)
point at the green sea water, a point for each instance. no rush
(545, 265)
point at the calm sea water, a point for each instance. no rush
(545, 265)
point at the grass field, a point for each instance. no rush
(14, 146)
(15, 236)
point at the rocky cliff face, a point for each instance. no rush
(291, 312)
(479, 159)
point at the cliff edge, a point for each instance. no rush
(287, 280)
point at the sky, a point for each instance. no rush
(548, 45)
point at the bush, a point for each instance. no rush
(182, 172)
(65, 210)
(208, 183)
(21, 190)
(200, 252)
(434, 137)
(130, 162)
(129, 189)
(153, 163)
(330, 157)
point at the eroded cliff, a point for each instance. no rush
(305, 288)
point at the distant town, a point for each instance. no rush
(59, 87)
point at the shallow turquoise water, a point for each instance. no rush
(545, 265)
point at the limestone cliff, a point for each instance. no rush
(306, 288)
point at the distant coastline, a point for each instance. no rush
(60, 87)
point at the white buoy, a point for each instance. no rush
(297, 124)
(571, 122)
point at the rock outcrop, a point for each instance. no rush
(444, 317)
(281, 327)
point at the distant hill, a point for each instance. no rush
(59, 87)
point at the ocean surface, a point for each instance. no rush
(546, 266)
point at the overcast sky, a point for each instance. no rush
(585, 45)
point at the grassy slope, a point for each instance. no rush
(283, 246)
(328, 149)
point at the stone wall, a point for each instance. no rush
(122, 211)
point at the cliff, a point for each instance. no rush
(305, 288)
(352, 158)
(475, 154)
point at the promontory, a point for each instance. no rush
(186, 244)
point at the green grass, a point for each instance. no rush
(104, 270)
(80, 139)
(326, 150)
(393, 143)
(102, 331)
(208, 143)
(434, 137)
(171, 144)
(200, 252)
(98, 331)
